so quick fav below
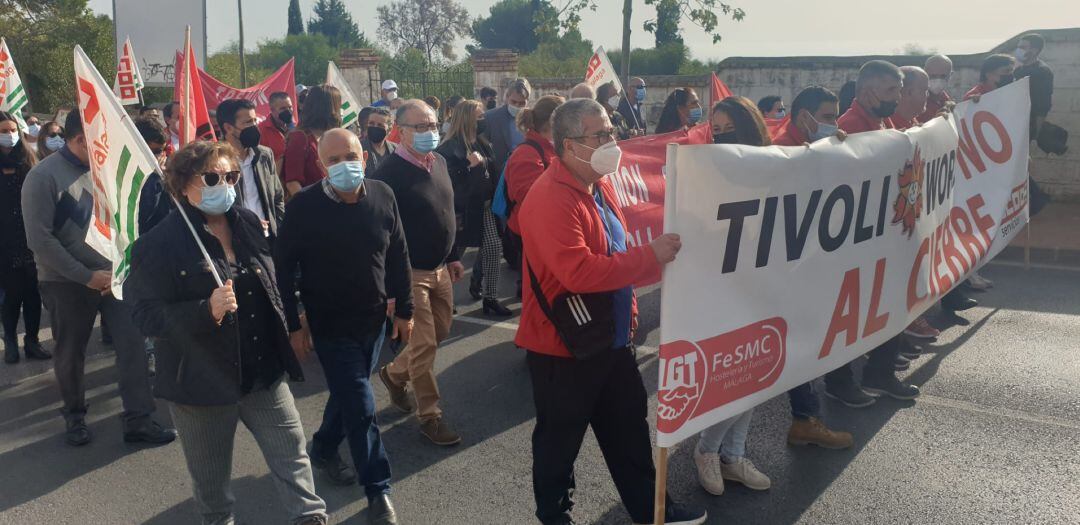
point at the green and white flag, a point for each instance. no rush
(350, 105)
(120, 161)
(12, 94)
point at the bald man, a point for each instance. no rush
(583, 90)
(630, 106)
(913, 95)
(939, 70)
(345, 236)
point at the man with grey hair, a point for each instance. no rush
(576, 247)
(583, 90)
(501, 123)
(425, 200)
(877, 93)
(939, 70)
(913, 97)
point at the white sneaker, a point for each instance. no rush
(709, 473)
(978, 282)
(744, 472)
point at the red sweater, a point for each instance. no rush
(790, 136)
(522, 169)
(566, 247)
(302, 162)
(857, 120)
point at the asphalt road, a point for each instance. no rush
(993, 439)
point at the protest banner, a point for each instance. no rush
(128, 84)
(284, 80)
(599, 71)
(797, 260)
(120, 161)
(350, 105)
(12, 95)
(194, 118)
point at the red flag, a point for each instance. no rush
(194, 118)
(718, 90)
(215, 91)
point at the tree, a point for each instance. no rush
(666, 26)
(562, 57)
(334, 21)
(701, 13)
(224, 65)
(432, 26)
(44, 58)
(915, 49)
(512, 24)
(312, 51)
(296, 20)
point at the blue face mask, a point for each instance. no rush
(346, 176)
(823, 131)
(425, 142)
(54, 143)
(216, 200)
(639, 95)
(695, 115)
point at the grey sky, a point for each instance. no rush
(771, 28)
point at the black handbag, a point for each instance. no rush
(585, 322)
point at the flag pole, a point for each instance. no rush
(202, 247)
(670, 181)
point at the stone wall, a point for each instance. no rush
(1060, 176)
(360, 67)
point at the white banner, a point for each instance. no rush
(12, 92)
(350, 105)
(128, 82)
(154, 27)
(120, 161)
(600, 71)
(797, 260)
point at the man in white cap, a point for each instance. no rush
(389, 93)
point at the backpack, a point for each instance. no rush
(501, 204)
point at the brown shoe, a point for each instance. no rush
(813, 432)
(439, 432)
(399, 395)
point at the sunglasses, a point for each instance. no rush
(210, 178)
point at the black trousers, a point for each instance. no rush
(882, 361)
(21, 295)
(607, 393)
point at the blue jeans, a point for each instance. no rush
(805, 403)
(727, 437)
(350, 412)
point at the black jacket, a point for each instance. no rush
(198, 361)
(472, 187)
(14, 253)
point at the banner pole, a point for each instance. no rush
(660, 503)
(670, 180)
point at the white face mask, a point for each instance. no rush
(938, 85)
(391, 95)
(605, 159)
(613, 101)
(514, 110)
(33, 130)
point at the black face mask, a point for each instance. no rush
(490, 104)
(725, 138)
(481, 127)
(250, 136)
(885, 109)
(376, 134)
(1004, 81)
(285, 117)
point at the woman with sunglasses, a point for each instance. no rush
(222, 351)
(18, 273)
(468, 157)
(50, 139)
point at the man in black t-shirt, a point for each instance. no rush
(1042, 78)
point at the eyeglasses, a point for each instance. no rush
(422, 128)
(211, 178)
(602, 137)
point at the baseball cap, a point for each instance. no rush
(389, 85)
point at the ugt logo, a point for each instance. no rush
(908, 205)
(682, 383)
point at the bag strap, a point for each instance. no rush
(540, 297)
(539, 151)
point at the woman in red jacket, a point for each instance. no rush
(531, 157)
(301, 166)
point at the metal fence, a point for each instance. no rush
(414, 82)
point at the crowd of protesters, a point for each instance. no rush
(291, 235)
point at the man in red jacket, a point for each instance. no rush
(575, 241)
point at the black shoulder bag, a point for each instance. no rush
(585, 322)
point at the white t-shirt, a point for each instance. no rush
(251, 186)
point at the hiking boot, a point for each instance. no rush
(337, 471)
(920, 329)
(77, 434)
(33, 350)
(11, 351)
(709, 474)
(439, 432)
(399, 395)
(812, 431)
(677, 514)
(743, 471)
(887, 384)
(849, 394)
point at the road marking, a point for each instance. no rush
(1030, 417)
